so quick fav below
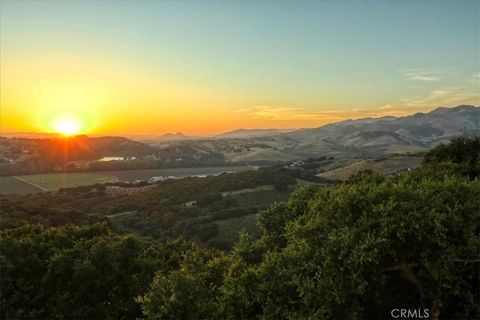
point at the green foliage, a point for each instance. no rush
(190, 292)
(353, 251)
(208, 199)
(161, 212)
(361, 249)
(462, 155)
(78, 272)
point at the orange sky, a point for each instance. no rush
(114, 99)
(201, 69)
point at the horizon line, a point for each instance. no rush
(212, 135)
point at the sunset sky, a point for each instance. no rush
(200, 67)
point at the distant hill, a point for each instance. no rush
(362, 138)
(21, 155)
(251, 133)
(391, 134)
(72, 148)
(30, 135)
(172, 136)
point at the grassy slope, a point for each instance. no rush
(386, 165)
(257, 154)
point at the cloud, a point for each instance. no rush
(288, 113)
(442, 96)
(448, 96)
(423, 75)
(283, 113)
(386, 107)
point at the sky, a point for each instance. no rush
(206, 67)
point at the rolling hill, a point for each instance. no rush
(378, 136)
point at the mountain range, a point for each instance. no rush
(391, 134)
(251, 133)
(362, 138)
(369, 137)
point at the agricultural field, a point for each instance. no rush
(14, 185)
(54, 181)
(50, 182)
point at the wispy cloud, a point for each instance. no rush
(387, 107)
(283, 113)
(447, 96)
(441, 96)
(288, 113)
(423, 75)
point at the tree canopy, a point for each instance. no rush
(356, 250)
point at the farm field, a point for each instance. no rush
(14, 185)
(54, 181)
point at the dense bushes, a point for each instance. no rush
(79, 272)
(358, 250)
(354, 251)
(462, 155)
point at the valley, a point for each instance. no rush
(362, 138)
(53, 181)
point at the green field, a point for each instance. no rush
(50, 182)
(385, 166)
(13, 185)
(54, 181)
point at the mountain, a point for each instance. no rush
(370, 137)
(251, 133)
(389, 134)
(362, 138)
(172, 136)
(30, 135)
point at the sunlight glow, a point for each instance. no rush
(67, 126)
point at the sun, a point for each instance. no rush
(67, 126)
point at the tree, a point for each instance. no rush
(363, 248)
(462, 154)
(190, 292)
(79, 272)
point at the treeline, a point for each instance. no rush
(353, 251)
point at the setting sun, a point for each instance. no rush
(67, 126)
